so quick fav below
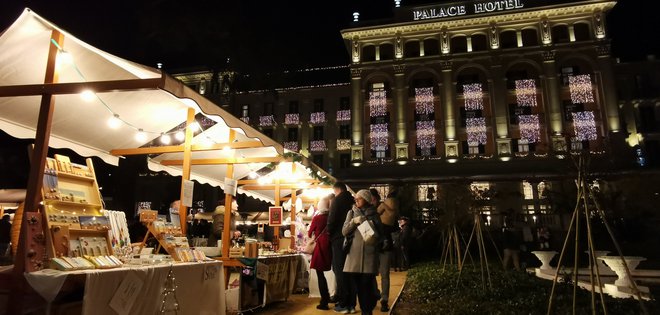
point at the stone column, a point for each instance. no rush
(448, 87)
(498, 92)
(400, 105)
(553, 106)
(357, 112)
(607, 88)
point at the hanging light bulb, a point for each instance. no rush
(253, 175)
(194, 127)
(179, 135)
(114, 122)
(165, 138)
(141, 136)
(64, 58)
(87, 95)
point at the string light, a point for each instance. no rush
(317, 146)
(476, 130)
(114, 122)
(141, 136)
(474, 96)
(584, 126)
(343, 144)
(194, 127)
(425, 136)
(317, 118)
(526, 93)
(165, 139)
(253, 175)
(530, 128)
(291, 145)
(292, 119)
(180, 136)
(378, 136)
(581, 89)
(424, 101)
(344, 115)
(266, 121)
(377, 103)
(87, 95)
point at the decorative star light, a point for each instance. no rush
(317, 146)
(530, 128)
(317, 118)
(474, 96)
(291, 145)
(476, 130)
(344, 115)
(526, 93)
(266, 121)
(581, 89)
(378, 136)
(377, 104)
(584, 125)
(343, 144)
(425, 136)
(424, 100)
(292, 119)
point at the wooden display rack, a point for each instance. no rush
(70, 191)
(148, 217)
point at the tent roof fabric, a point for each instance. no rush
(142, 97)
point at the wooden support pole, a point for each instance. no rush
(226, 232)
(185, 174)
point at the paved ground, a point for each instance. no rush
(301, 304)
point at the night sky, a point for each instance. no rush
(260, 36)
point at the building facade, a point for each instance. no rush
(494, 95)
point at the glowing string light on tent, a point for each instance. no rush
(378, 136)
(474, 96)
(425, 136)
(581, 89)
(377, 104)
(584, 125)
(476, 130)
(526, 93)
(424, 101)
(530, 128)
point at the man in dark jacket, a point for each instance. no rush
(340, 206)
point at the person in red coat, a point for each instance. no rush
(322, 255)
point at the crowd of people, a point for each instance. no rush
(358, 237)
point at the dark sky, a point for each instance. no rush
(259, 35)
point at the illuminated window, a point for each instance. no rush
(473, 149)
(427, 192)
(523, 145)
(480, 190)
(528, 190)
(543, 188)
(383, 190)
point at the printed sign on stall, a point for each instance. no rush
(275, 216)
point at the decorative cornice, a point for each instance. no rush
(356, 72)
(399, 69)
(446, 65)
(549, 55)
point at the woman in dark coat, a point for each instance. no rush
(322, 255)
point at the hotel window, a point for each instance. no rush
(567, 72)
(318, 133)
(523, 146)
(411, 49)
(480, 190)
(383, 190)
(576, 145)
(560, 34)
(368, 53)
(528, 190)
(530, 37)
(582, 31)
(570, 108)
(268, 109)
(245, 110)
(515, 111)
(293, 134)
(509, 39)
(427, 192)
(318, 159)
(318, 105)
(431, 47)
(543, 189)
(473, 149)
(345, 103)
(344, 132)
(479, 42)
(386, 52)
(344, 160)
(293, 107)
(458, 44)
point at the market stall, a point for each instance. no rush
(97, 104)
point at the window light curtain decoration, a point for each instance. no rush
(526, 93)
(424, 101)
(581, 89)
(377, 104)
(425, 136)
(530, 129)
(378, 136)
(584, 125)
(476, 130)
(474, 96)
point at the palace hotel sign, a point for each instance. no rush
(451, 10)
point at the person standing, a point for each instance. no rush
(388, 211)
(322, 255)
(405, 240)
(511, 242)
(340, 206)
(362, 259)
(5, 234)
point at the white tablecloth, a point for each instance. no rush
(200, 287)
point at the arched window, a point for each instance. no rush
(530, 37)
(386, 52)
(411, 49)
(581, 31)
(479, 42)
(508, 39)
(458, 44)
(431, 47)
(560, 34)
(369, 53)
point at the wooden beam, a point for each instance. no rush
(225, 161)
(255, 181)
(77, 87)
(226, 232)
(185, 174)
(194, 148)
(272, 186)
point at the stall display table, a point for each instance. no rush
(133, 290)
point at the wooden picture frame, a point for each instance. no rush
(275, 215)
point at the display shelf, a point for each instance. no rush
(74, 176)
(72, 203)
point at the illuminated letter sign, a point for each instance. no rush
(460, 9)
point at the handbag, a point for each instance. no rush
(348, 240)
(311, 243)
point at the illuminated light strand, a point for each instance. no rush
(526, 93)
(530, 128)
(424, 101)
(584, 125)
(581, 89)
(266, 121)
(317, 118)
(292, 119)
(344, 115)
(377, 104)
(317, 146)
(474, 96)
(379, 136)
(425, 135)
(343, 144)
(291, 145)
(476, 130)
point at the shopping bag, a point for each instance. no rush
(309, 247)
(368, 232)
